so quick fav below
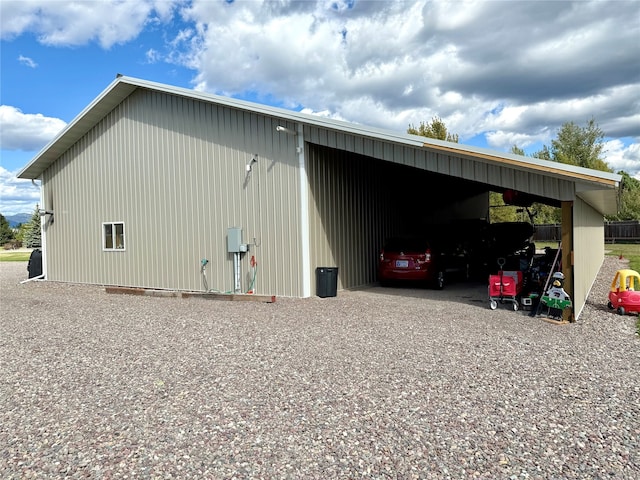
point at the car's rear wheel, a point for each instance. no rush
(610, 305)
(621, 311)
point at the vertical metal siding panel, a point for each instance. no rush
(468, 170)
(174, 186)
(144, 231)
(385, 151)
(64, 219)
(349, 214)
(186, 265)
(480, 172)
(120, 204)
(198, 195)
(215, 181)
(521, 180)
(349, 143)
(125, 207)
(175, 163)
(153, 232)
(93, 161)
(101, 152)
(163, 202)
(588, 249)
(209, 214)
(400, 152)
(148, 232)
(331, 138)
(166, 185)
(98, 208)
(202, 195)
(455, 167)
(133, 189)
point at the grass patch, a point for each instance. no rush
(630, 251)
(9, 256)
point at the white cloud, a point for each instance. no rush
(153, 56)
(27, 61)
(17, 195)
(26, 131)
(71, 23)
(621, 157)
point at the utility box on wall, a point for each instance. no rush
(234, 240)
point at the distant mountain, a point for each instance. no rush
(17, 219)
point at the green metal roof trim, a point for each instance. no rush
(596, 187)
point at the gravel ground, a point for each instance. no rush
(377, 383)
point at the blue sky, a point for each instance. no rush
(498, 73)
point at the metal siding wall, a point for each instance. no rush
(349, 214)
(173, 170)
(446, 164)
(588, 251)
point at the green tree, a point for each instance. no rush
(20, 231)
(434, 129)
(6, 233)
(499, 211)
(542, 213)
(581, 146)
(629, 200)
(32, 233)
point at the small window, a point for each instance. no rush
(113, 236)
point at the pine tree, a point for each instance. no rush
(6, 234)
(33, 235)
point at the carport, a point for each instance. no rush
(367, 186)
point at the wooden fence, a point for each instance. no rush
(614, 232)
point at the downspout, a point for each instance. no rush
(304, 214)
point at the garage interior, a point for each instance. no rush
(361, 200)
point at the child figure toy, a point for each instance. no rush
(555, 298)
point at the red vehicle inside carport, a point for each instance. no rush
(410, 259)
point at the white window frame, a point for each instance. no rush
(114, 237)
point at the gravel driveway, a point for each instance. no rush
(377, 383)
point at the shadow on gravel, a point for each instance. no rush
(468, 292)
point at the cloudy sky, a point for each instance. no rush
(499, 73)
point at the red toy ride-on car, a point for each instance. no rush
(623, 295)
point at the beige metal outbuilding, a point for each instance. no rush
(150, 183)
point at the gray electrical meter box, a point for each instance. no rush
(234, 240)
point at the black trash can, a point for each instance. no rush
(326, 281)
(34, 267)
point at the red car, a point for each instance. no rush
(411, 259)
